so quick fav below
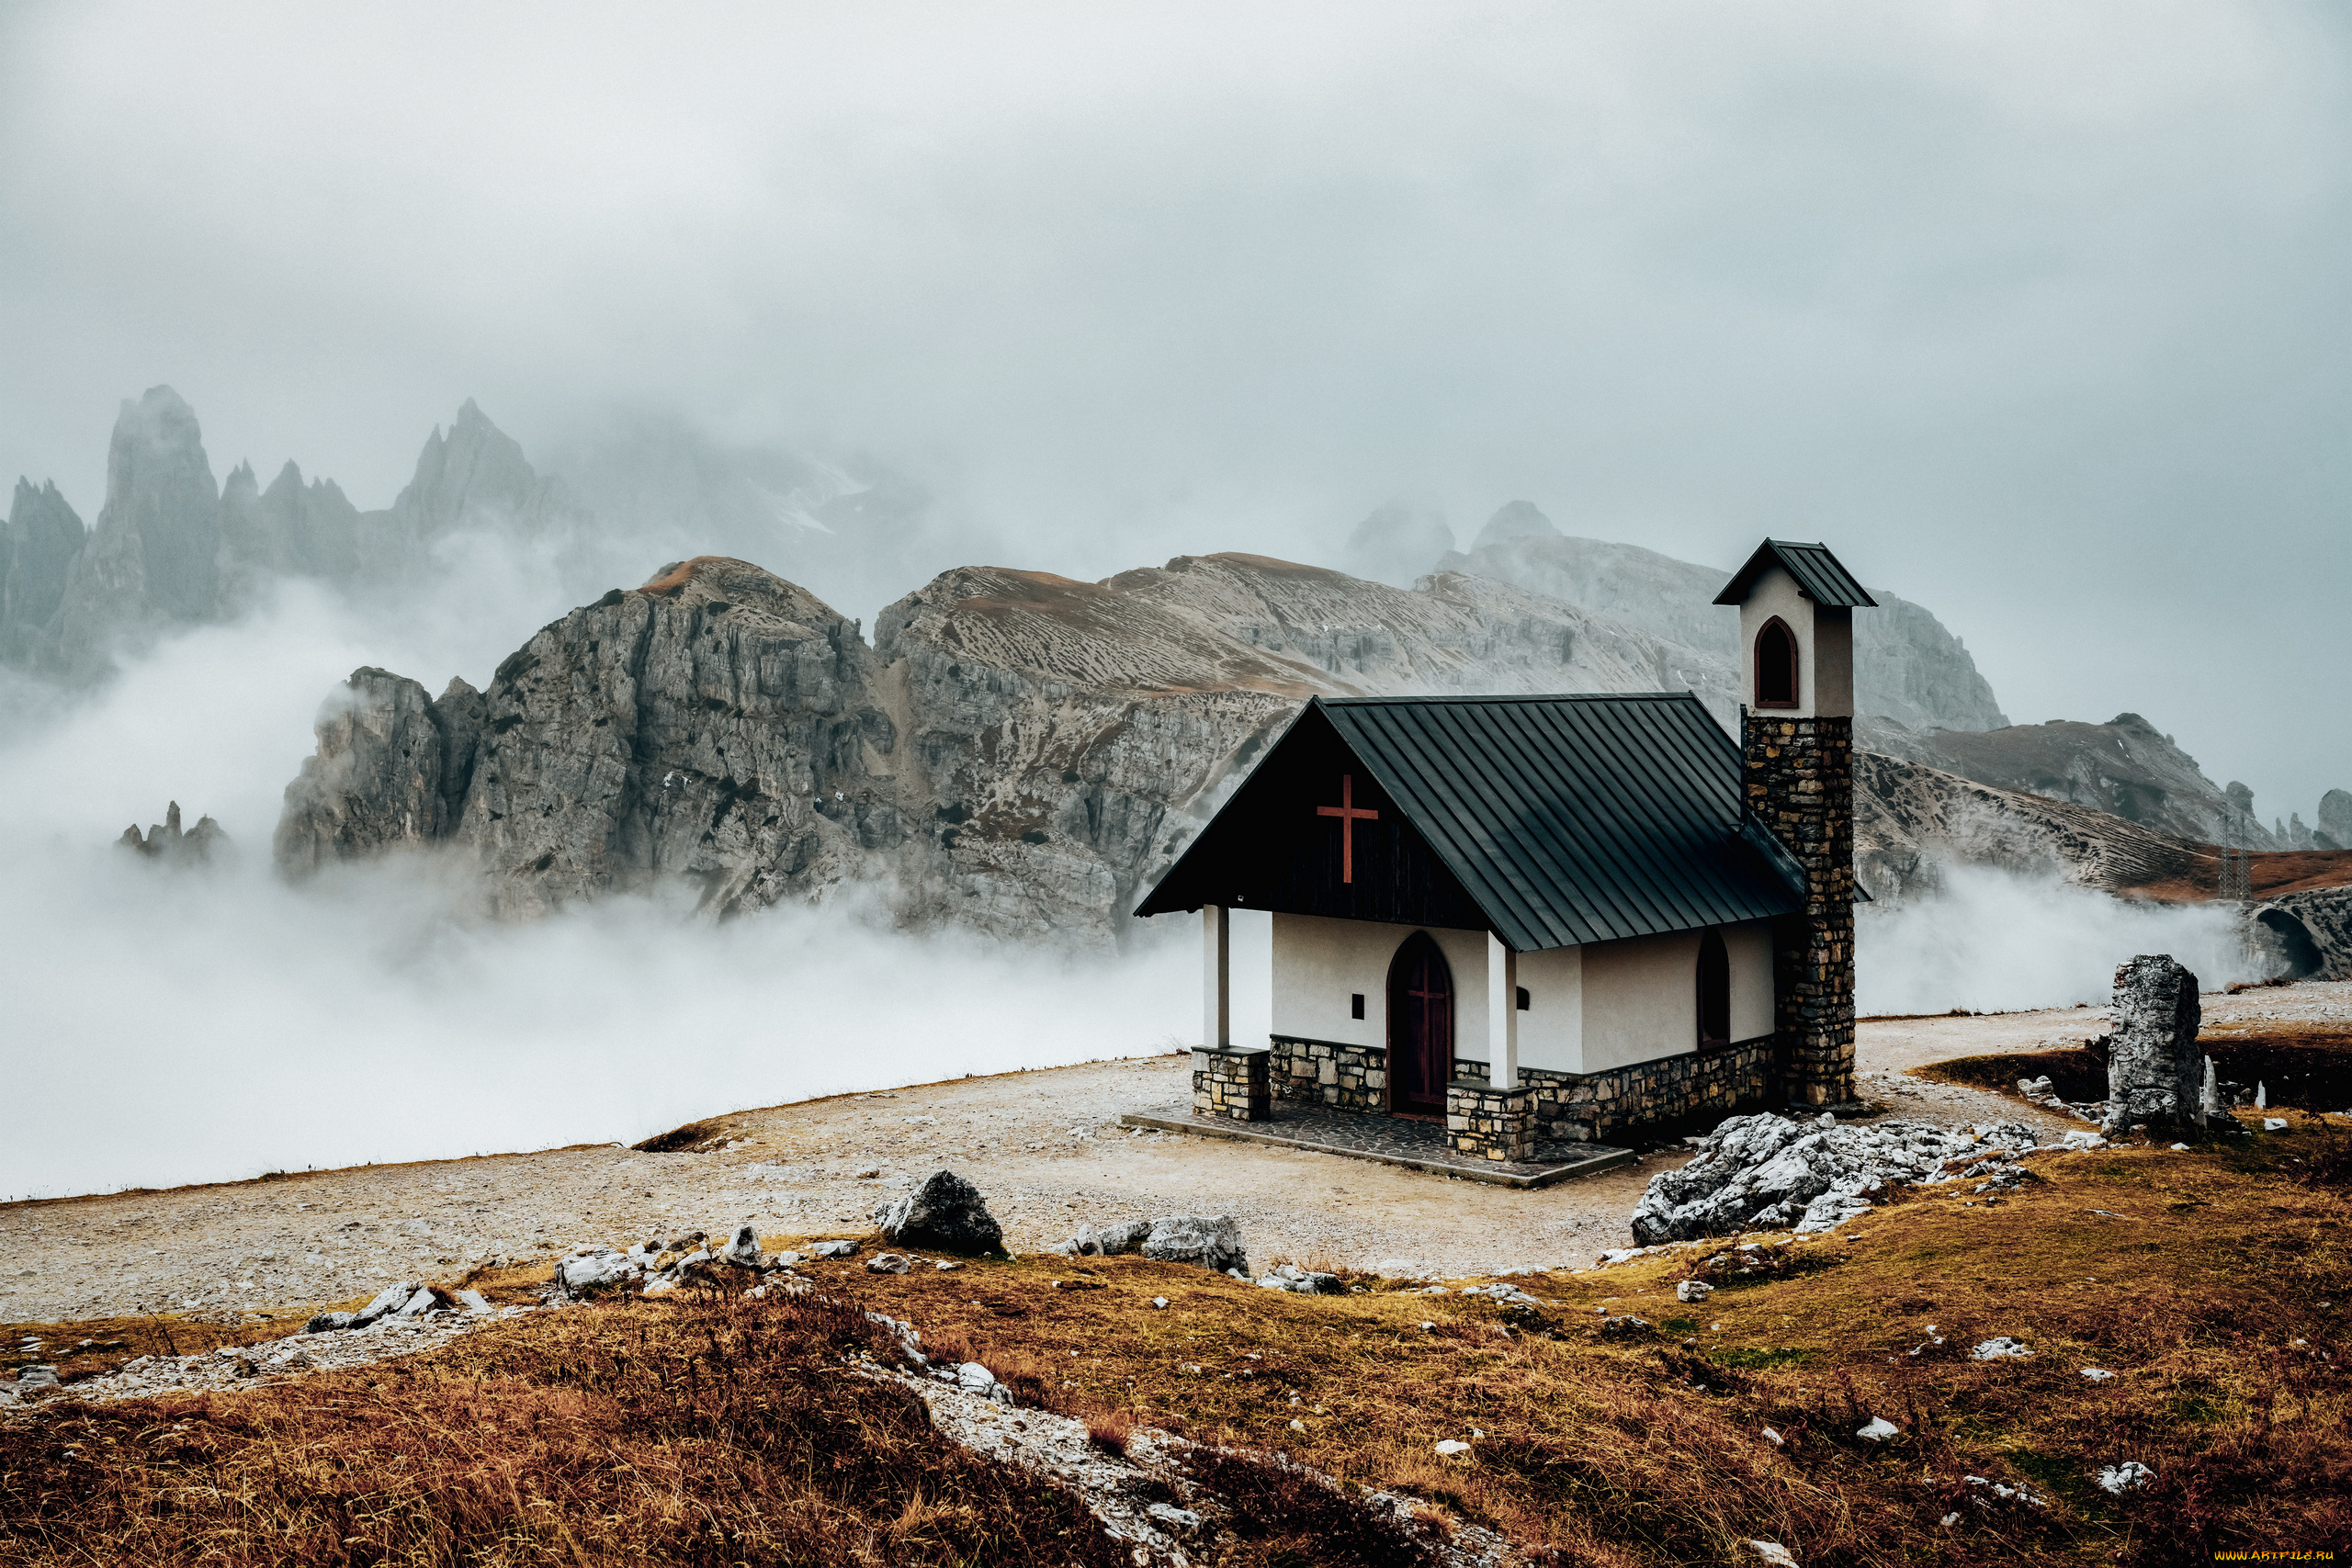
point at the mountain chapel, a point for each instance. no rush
(1551, 918)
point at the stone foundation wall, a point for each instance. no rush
(1588, 1107)
(1489, 1124)
(1230, 1082)
(1322, 1072)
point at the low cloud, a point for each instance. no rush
(175, 1026)
(1990, 941)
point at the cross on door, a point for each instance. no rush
(1350, 814)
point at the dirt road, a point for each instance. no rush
(1045, 1146)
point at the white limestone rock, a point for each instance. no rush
(1770, 1172)
(1212, 1241)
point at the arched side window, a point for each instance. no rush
(1715, 992)
(1776, 665)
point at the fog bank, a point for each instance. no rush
(174, 1026)
(1992, 942)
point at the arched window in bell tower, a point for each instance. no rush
(1776, 665)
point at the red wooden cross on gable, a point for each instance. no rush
(1349, 813)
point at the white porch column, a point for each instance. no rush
(1216, 975)
(1502, 1013)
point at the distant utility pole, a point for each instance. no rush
(2237, 862)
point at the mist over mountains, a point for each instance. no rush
(1066, 735)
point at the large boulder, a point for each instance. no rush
(943, 1214)
(2155, 1072)
(1770, 1172)
(1213, 1242)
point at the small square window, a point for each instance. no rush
(1522, 998)
(1355, 1005)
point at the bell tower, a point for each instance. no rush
(1796, 637)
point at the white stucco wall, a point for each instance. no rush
(1319, 963)
(1641, 997)
(1749, 948)
(1589, 1009)
(1551, 1032)
(1825, 646)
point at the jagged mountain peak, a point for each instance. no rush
(1515, 520)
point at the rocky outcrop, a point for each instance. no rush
(945, 1213)
(1911, 822)
(393, 767)
(717, 725)
(2307, 933)
(2155, 1074)
(2335, 820)
(1772, 1172)
(152, 561)
(2126, 768)
(163, 841)
(1909, 672)
(171, 548)
(1017, 751)
(41, 538)
(292, 529)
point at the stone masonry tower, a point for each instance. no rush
(1797, 637)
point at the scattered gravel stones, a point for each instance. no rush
(944, 1213)
(1770, 1172)
(1879, 1430)
(888, 1263)
(1694, 1291)
(833, 1249)
(2000, 1348)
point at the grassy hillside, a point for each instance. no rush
(714, 1430)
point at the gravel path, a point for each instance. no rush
(1043, 1147)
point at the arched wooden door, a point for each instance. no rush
(1420, 1027)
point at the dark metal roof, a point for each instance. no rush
(1822, 575)
(1565, 820)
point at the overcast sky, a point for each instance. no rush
(2038, 314)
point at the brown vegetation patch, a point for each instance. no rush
(680, 1140)
(718, 1432)
(2312, 1071)
(2271, 873)
(2209, 1283)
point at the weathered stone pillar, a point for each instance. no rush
(1487, 1121)
(1799, 775)
(2155, 1072)
(1230, 1082)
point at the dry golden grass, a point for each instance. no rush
(2210, 1283)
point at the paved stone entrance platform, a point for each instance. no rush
(1391, 1140)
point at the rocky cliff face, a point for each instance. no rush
(1017, 751)
(716, 725)
(1907, 668)
(2125, 767)
(37, 554)
(1912, 821)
